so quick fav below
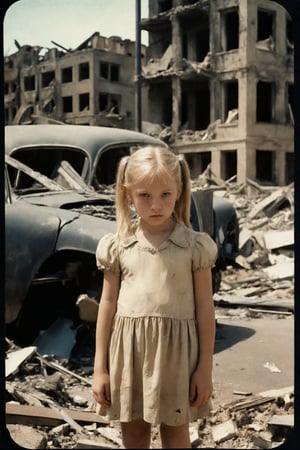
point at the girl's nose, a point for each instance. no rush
(155, 204)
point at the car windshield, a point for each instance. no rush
(47, 159)
(25, 180)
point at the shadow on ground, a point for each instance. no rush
(229, 335)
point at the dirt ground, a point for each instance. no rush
(244, 346)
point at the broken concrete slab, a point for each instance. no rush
(224, 431)
(17, 357)
(277, 239)
(27, 437)
(280, 271)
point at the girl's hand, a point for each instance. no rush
(101, 389)
(201, 388)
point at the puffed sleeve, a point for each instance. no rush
(107, 255)
(205, 252)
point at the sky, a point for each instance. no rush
(69, 22)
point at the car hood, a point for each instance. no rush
(99, 205)
(61, 198)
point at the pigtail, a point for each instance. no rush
(123, 213)
(183, 204)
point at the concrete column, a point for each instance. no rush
(280, 167)
(241, 162)
(176, 84)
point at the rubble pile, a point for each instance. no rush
(49, 407)
(263, 271)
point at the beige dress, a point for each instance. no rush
(154, 341)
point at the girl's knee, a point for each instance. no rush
(175, 436)
(136, 434)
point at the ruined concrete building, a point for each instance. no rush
(219, 77)
(91, 85)
(217, 85)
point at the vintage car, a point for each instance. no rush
(50, 256)
(60, 202)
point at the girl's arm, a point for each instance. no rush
(106, 312)
(201, 382)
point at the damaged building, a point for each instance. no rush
(217, 84)
(91, 85)
(219, 80)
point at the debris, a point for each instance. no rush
(277, 239)
(45, 416)
(280, 271)
(286, 420)
(224, 431)
(88, 308)
(27, 437)
(242, 393)
(261, 442)
(16, 358)
(272, 367)
(92, 444)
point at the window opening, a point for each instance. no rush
(265, 166)
(84, 71)
(202, 109)
(29, 83)
(264, 100)
(289, 168)
(231, 97)
(202, 44)
(265, 25)
(67, 75)
(109, 103)
(114, 72)
(230, 30)
(84, 101)
(67, 104)
(104, 70)
(228, 164)
(47, 78)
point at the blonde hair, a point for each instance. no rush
(148, 162)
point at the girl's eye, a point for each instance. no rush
(144, 194)
(166, 194)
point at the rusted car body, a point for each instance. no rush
(59, 203)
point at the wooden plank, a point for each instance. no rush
(43, 416)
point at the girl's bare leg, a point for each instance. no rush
(136, 434)
(175, 437)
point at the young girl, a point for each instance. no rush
(156, 326)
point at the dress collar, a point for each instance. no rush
(179, 236)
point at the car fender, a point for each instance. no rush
(83, 233)
(31, 235)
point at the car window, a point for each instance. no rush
(106, 165)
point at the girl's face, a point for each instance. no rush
(155, 200)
